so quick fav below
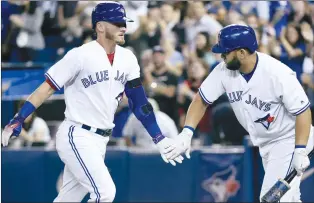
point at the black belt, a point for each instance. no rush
(101, 132)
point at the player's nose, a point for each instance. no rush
(123, 29)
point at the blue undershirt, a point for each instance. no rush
(248, 76)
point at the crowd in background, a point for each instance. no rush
(172, 41)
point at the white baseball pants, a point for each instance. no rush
(277, 159)
(83, 154)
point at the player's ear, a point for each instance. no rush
(242, 54)
(100, 26)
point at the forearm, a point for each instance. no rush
(278, 15)
(41, 94)
(142, 109)
(195, 112)
(292, 52)
(302, 127)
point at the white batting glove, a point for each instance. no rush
(183, 145)
(186, 137)
(167, 147)
(300, 160)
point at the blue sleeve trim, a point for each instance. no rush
(300, 146)
(52, 81)
(302, 110)
(203, 97)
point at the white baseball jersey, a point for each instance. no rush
(267, 104)
(92, 86)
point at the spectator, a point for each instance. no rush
(161, 83)
(170, 24)
(292, 48)
(174, 57)
(307, 79)
(203, 50)
(134, 130)
(29, 37)
(258, 8)
(200, 22)
(50, 25)
(279, 12)
(196, 72)
(148, 33)
(68, 20)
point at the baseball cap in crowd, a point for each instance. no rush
(158, 49)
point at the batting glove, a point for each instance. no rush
(183, 144)
(166, 148)
(12, 129)
(186, 137)
(300, 160)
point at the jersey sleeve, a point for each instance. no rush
(64, 70)
(134, 68)
(292, 93)
(212, 86)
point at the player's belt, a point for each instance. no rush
(101, 132)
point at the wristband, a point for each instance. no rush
(158, 138)
(300, 146)
(26, 110)
(190, 128)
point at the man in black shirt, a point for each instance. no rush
(161, 84)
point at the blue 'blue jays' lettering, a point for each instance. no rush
(102, 76)
(121, 78)
(235, 96)
(254, 101)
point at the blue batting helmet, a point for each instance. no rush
(234, 37)
(110, 11)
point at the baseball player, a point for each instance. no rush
(94, 77)
(268, 101)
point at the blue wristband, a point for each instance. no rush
(300, 146)
(158, 138)
(26, 110)
(189, 127)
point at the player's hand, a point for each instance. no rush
(12, 129)
(300, 160)
(167, 147)
(186, 138)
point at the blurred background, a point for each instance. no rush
(172, 41)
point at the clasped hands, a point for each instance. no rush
(172, 148)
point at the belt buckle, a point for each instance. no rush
(108, 132)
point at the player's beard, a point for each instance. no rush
(118, 39)
(234, 64)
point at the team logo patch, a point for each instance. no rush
(266, 121)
